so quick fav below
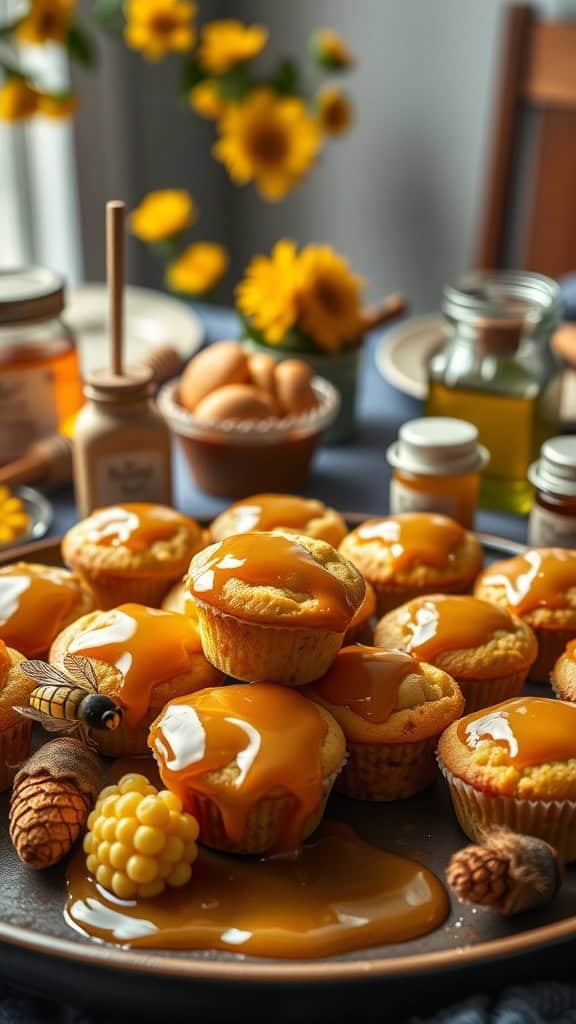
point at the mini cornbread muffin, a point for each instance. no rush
(514, 765)
(563, 677)
(284, 512)
(36, 602)
(15, 730)
(540, 587)
(253, 763)
(178, 600)
(392, 709)
(360, 629)
(143, 657)
(273, 605)
(132, 552)
(417, 553)
(484, 648)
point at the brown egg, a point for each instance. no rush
(261, 367)
(224, 362)
(293, 387)
(235, 402)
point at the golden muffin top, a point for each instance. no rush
(539, 585)
(36, 602)
(15, 687)
(286, 512)
(158, 654)
(524, 748)
(133, 538)
(384, 695)
(467, 637)
(414, 549)
(249, 741)
(277, 579)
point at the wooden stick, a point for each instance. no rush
(115, 211)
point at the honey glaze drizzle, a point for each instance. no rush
(366, 680)
(33, 608)
(415, 537)
(147, 645)
(540, 578)
(135, 525)
(440, 623)
(268, 560)
(337, 894)
(235, 745)
(531, 730)
(269, 511)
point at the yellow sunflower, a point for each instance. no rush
(228, 42)
(18, 100)
(268, 294)
(330, 50)
(328, 298)
(334, 110)
(205, 99)
(162, 214)
(198, 269)
(46, 21)
(57, 106)
(158, 27)
(269, 139)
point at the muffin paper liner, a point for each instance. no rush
(263, 826)
(551, 820)
(483, 693)
(551, 644)
(387, 771)
(110, 591)
(251, 652)
(14, 749)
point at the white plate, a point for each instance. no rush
(402, 355)
(152, 319)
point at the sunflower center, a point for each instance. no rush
(48, 23)
(162, 23)
(269, 144)
(329, 297)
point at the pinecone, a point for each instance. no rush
(477, 875)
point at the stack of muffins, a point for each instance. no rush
(235, 655)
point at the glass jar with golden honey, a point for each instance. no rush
(40, 383)
(497, 370)
(436, 468)
(553, 476)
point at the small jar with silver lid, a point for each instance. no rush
(553, 476)
(437, 462)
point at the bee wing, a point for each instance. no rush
(82, 670)
(50, 724)
(42, 672)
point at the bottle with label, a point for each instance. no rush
(121, 443)
(437, 462)
(40, 386)
(553, 515)
(497, 370)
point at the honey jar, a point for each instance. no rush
(39, 375)
(553, 475)
(436, 468)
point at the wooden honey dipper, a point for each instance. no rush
(48, 461)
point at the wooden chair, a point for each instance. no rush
(529, 215)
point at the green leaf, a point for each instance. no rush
(293, 341)
(108, 15)
(286, 80)
(80, 46)
(234, 85)
(190, 75)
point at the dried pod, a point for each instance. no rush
(52, 797)
(508, 872)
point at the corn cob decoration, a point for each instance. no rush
(52, 797)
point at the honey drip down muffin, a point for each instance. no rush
(417, 553)
(392, 709)
(36, 602)
(132, 552)
(286, 512)
(15, 730)
(272, 605)
(143, 657)
(253, 763)
(514, 765)
(540, 587)
(483, 647)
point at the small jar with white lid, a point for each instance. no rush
(553, 476)
(436, 468)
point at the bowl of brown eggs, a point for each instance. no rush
(246, 422)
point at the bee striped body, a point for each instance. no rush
(63, 704)
(58, 701)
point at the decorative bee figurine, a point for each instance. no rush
(69, 705)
